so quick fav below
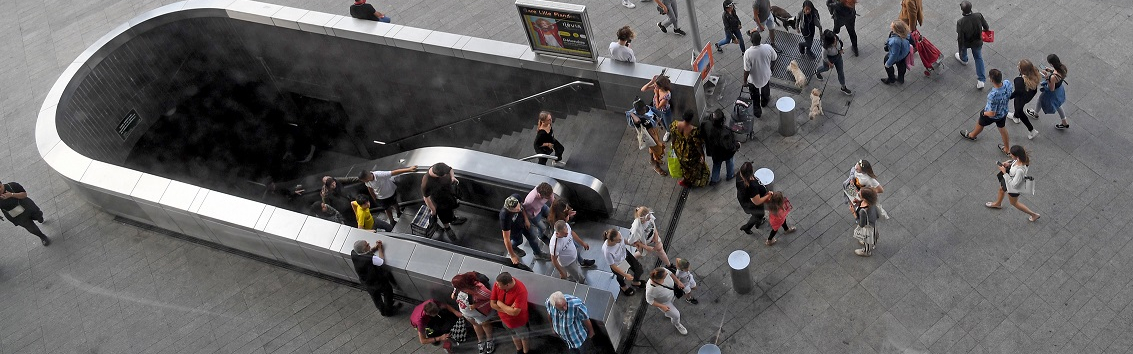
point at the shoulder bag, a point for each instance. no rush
(677, 292)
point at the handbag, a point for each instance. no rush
(644, 139)
(459, 332)
(1028, 185)
(674, 165)
(677, 292)
(987, 36)
(865, 234)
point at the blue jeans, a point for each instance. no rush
(384, 19)
(517, 237)
(537, 221)
(736, 34)
(977, 54)
(837, 61)
(665, 117)
(731, 162)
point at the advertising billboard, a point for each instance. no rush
(557, 29)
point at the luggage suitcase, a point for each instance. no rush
(422, 224)
(930, 55)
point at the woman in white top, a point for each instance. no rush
(1012, 181)
(862, 176)
(614, 249)
(643, 234)
(660, 293)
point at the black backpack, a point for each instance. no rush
(483, 279)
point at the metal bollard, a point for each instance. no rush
(787, 116)
(741, 278)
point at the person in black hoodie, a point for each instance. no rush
(808, 20)
(845, 14)
(732, 26)
(721, 146)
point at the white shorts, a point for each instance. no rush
(478, 318)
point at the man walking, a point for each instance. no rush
(515, 227)
(21, 210)
(374, 278)
(570, 320)
(669, 8)
(509, 299)
(761, 12)
(757, 68)
(968, 36)
(995, 111)
(364, 11)
(384, 191)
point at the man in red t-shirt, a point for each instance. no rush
(509, 298)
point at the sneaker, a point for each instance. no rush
(663, 29)
(542, 257)
(1032, 134)
(45, 241)
(679, 31)
(846, 91)
(559, 163)
(957, 56)
(692, 300)
(682, 329)
(819, 76)
(718, 49)
(862, 252)
(459, 220)
(888, 81)
(979, 85)
(964, 133)
(480, 348)
(666, 137)
(1031, 113)
(1013, 119)
(490, 346)
(1062, 126)
(627, 4)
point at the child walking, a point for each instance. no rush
(686, 277)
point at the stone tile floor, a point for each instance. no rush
(949, 275)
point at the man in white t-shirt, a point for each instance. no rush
(757, 68)
(384, 191)
(564, 255)
(620, 50)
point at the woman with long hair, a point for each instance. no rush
(752, 195)
(1026, 87)
(472, 298)
(777, 209)
(1053, 91)
(832, 50)
(646, 236)
(1012, 181)
(866, 216)
(862, 176)
(898, 47)
(545, 142)
(662, 95)
(688, 143)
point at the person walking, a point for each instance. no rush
(384, 191)
(1013, 181)
(375, 278)
(641, 117)
(969, 30)
(515, 227)
(898, 47)
(685, 276)
(832, 50)
(808, 20)
(845, 13)
(757, 69)
(995, 111)
(752, 195)
(21, 211)
(438, 189)
(732, 28)
(363, 11)
(545, 142)
(473, 298)
(509, 299)
(570, 320)
(912, 13)
(620, 49)
(1026, 87)
(644, 235)
(614, 250)
(866, 229)
(721, 146)
(688, 143)
(669, 9)
(862, 176)
(1052, 90)
(777, 209)
(565, 255)
(660, 293)
(761, 13)
(662, 95)
(537, 208)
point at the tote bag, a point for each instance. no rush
(674, 165)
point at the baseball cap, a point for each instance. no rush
(511, 202)
(728, 3)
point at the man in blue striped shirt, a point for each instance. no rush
(995, 111)
(570, 320)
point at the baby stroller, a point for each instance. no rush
(930, 56)
(743, 120)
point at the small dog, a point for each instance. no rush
(800, 78)
(815, 103)
(784, 18)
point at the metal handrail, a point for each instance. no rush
(497, 109)
(540, 156)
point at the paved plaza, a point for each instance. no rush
(949, 275)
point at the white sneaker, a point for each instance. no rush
(682, 329)
(628, 5)
(1032, 134)
(559, 163)
(979, 85)
(666, 137)
(1013, 119)
(957, 56)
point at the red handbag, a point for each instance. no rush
(987, 36)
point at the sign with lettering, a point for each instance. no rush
(127, 124)
(556, 28)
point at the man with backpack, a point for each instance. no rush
(721, 145)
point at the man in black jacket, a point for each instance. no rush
(968, 35)
(21, 210)
(364, 11)
(373, 276)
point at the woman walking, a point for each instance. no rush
(866, 229)
(689, 146)
(643, 118)
(898, 48)
(661, 294)
(643, 235)
(732, 26)
(614, 249)
(545, 142)
(808, 20)
(1013, 181)
(662, 93)
(777, 209)
(1053, 91)
(845, 14)
(1026, 87)
(832, 49)
(472, 297)
(752, 195)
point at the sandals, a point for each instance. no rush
(964, 133)
(992, 205)
(692, 300)
(771, 241)
(1033, 218)
(1004, 149)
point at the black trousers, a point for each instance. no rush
(383, 300)
(557, 150)
(634, 270)
(764, 96)
(900, 65)
(849, 23)
(755, 219)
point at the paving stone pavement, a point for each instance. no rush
(948, 276)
